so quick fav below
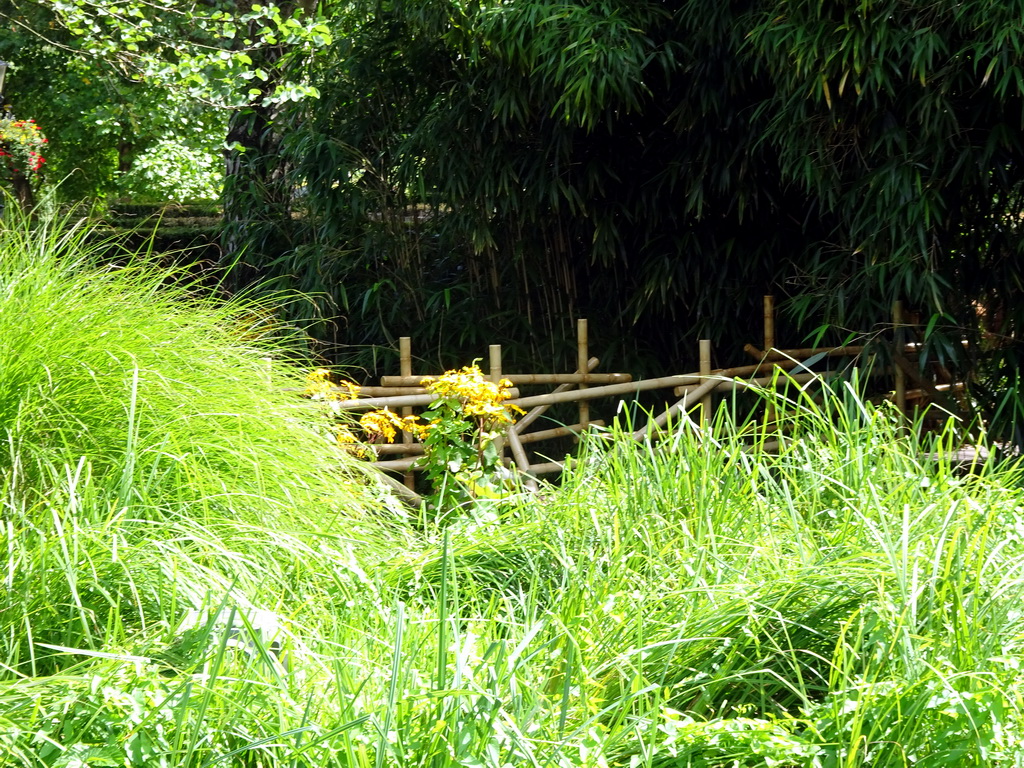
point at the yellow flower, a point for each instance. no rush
(320, 387)
(318, 383)
(413, 425)
(479, 397)
(347, 440)
(344, 436)
(381, 424)
(349, 390)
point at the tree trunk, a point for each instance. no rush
(257, 192)
(23, 192)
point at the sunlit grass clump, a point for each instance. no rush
(153, 466)
(196, 575)
(162, 395)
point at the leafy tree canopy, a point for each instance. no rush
(110, 135)
(660, 165)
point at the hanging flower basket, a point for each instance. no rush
(21, 156)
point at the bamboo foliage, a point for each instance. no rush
(654, 163)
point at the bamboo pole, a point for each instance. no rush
(494, 352)
(522, 462)
(610, 390)
(405, 368)
(569, 378)
(693, 393)
(410, 496)
(518, 379)
(372, 391)
(539, 410)
(546, 468)
(494, 355)
(398, 449)
(900, 376)
(398, 401)
(786, 354)
(911, 371)
(762, 381)
(769, 322)
(582, 355)
(705, 370)
(750, 370)
(737, 372)
(401, 465)
(550, 434)
(518, 452)
(398, 465)
(416, 449)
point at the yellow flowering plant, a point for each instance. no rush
(458, 431)
(322, 386)
(466, 418)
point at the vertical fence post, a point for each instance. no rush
(405, 368)
(582, 356)
(769, 323)
(494, 351)
(705, 370)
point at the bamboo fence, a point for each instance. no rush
(694, 392)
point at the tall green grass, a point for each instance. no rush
(851, 600)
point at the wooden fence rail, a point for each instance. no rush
(695, 390)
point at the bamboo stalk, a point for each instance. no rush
(405, 368)
(921, 394)
(407, 494)
(785, 354)
(411, 380)
(518, 379)
(911, 372)
(522, 462)
(518, 452)
(372, 391)
(416, 449)
(692, 393)
(751, 370)
(550, 434)
(547, 468)
(794, 378)
(582, 355)
(594, 393)
(494, 352)
(399, 449)
(569, 378)
(401, 465)
(769, 322)
(705, 370)
(394, 402)
(539, 410)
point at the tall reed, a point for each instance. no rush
(850, 600)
